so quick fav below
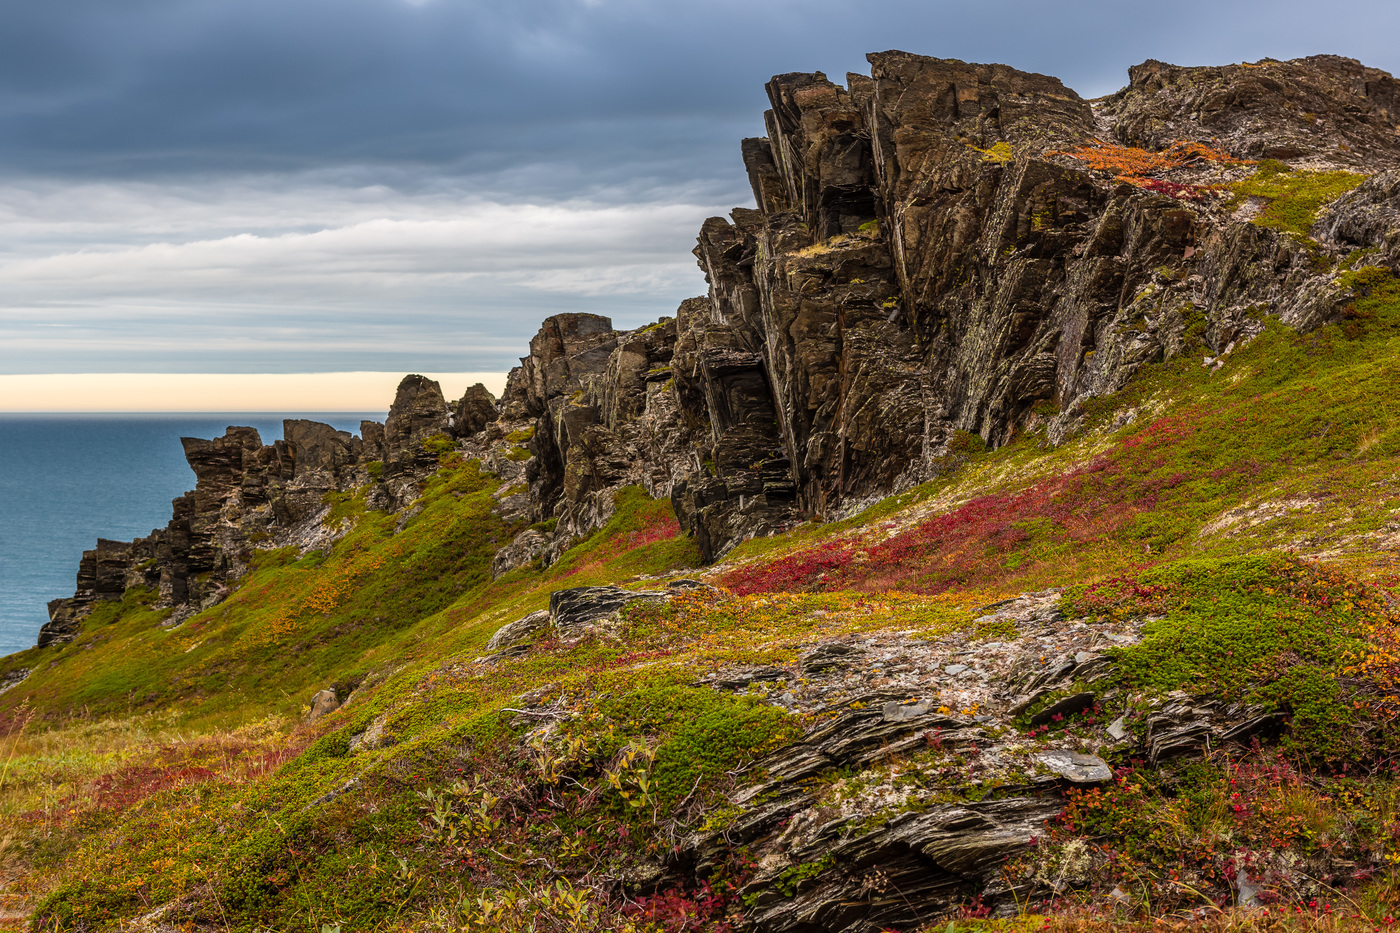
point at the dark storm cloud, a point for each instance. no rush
(619, 88)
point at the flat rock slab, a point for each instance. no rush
(830, 657)
(521, 630)
(896, 711)
(1075, 767)
(580, 605)
(1068, 706)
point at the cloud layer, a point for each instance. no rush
(320, 277)
(293, 185)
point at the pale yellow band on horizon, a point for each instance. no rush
(220, 392)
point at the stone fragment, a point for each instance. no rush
(1246, 892)
(373, 737)
(1118, 729)
(571, 609)
(323, 703)
(521, 630)
(1075, 767)
(895, 711)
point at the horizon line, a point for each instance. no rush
(349, 391)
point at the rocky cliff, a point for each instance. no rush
(944, 247)
(937, 247)
(249, 495)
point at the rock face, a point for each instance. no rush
(928, 257)
(476, 409)
(418, 412)
(1323, 108)
(248, 495)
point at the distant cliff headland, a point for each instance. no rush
(1010, 530)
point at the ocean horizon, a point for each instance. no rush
(67, 479)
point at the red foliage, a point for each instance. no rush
(123, 788)
(950, 549)
(674, 912)
(1171, 189)
(969, 544)
(657, 528)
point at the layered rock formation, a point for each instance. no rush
(249, 495)
(930, 253)
(928, 256)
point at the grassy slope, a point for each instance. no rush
(168, 773)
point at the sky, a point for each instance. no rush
(260, 189)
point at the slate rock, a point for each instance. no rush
(1075, 767)
(323, 703)
(523, 629)
(830, 657)
(524, 549)
(690, 586)
(573, 608)
(744, 677)
(1066, 706)
(895, 711)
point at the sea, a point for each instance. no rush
(67, 480)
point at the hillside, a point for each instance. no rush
(1009, 537)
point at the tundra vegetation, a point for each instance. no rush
(1219, 531)
(148, 767)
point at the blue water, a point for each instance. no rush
(67, 480)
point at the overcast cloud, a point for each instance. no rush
(294, 185)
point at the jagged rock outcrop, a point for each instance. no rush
(419, 411)
(473, 412)
(928, 257)
(600, 412)
(1321, 108)
(248, 494)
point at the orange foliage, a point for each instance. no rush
(1131, 164)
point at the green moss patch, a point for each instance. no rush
(1267, 629)
(1294, 197)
